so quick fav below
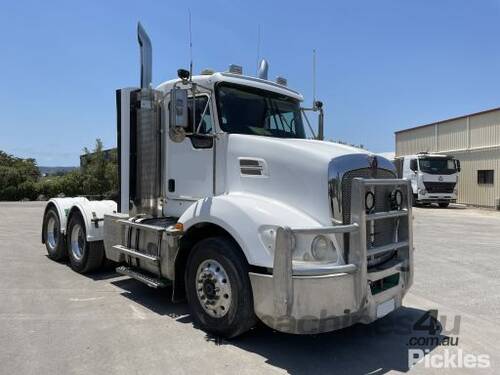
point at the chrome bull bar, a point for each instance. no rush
(284, 272)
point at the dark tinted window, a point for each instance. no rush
(437, 165)
(413, 164)
(485, 176)
(246, 110)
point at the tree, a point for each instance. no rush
(100, 171)
(98, 177)
(17, 177)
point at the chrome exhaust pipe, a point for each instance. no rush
(146, 56)
(263, 68)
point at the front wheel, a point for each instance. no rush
(444, 204)
(218, 288)
(84, 256)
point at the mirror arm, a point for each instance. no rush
(303, 110)
(321, 118)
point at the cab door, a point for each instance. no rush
(189, 163)
(410, 172)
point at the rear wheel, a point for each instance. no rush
(218, 288)
(54, 240)
(444, 204)
(84, 256)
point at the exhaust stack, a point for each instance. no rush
(263, 68)
(146, 56)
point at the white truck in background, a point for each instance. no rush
(433, 177)
(224, 200)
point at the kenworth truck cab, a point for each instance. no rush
(433, 177)
(224, 200)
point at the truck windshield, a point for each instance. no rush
(437, 165)
(247, 110)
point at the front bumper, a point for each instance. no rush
(437, 198)
(327, 302)
(337, 297)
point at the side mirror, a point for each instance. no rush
(179, 108)
(458, 165)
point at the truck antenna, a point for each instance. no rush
(314, 77)
(258, 49)
(190, 47)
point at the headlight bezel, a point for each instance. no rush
(369, 201)
(301, 246)
(396, 198)
(330, 251)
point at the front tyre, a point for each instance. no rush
(54, 240)
(444, 204)
(218, 288)
(84, 256)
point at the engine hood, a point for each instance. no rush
(292, 171)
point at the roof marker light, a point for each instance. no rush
(281, 81)
(236, 69)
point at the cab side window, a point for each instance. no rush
(206, 125)
(203, 124)
(413, 165)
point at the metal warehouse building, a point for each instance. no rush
(474, 140)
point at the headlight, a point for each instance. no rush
(396, 199)
(323, 250)
(369, 201)
(422, 191)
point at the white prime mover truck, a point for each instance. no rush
(224, 200)
(433, 177)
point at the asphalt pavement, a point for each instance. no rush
(55, 321)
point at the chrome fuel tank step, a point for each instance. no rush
(143, 277)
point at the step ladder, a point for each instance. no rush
(144, 277)
(150, 270)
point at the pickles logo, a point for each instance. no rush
(450, 356)
(447, 359)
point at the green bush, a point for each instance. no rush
(20, 178)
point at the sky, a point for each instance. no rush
(382, 65)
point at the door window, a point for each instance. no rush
(203, 117)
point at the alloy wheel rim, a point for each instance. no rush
(52, 232)
(213, 288)
(77, 241)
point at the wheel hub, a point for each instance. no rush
(213, 288)
(77, 241)
(52, 232)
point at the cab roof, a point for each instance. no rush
(211, 79)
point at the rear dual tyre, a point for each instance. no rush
(54, 240)
(84, 256)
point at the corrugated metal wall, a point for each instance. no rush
(469, 191)
(416, 140)
(473, 139)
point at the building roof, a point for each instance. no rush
(448, 119)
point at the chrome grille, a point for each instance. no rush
(346, 189)
(439, 187)
(380, 232)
